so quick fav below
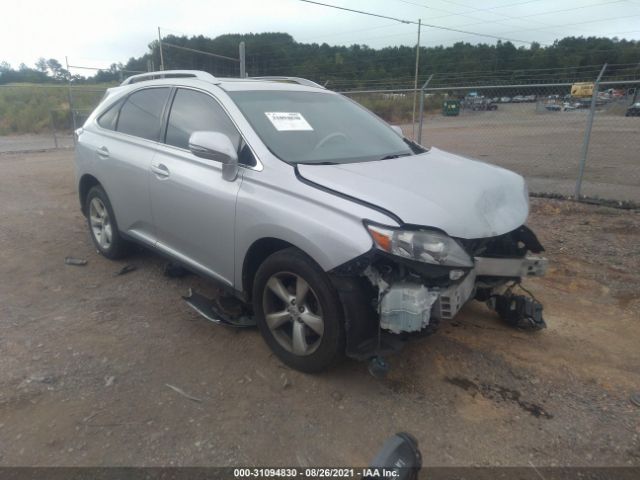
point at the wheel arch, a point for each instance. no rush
(87, 182)
(257, 253)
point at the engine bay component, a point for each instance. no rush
(406, 307)
(452, 299)
(518, 310)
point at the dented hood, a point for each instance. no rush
(465, 198)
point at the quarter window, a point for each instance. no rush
(141, 113)
(109, 118)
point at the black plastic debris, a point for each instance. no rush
(78, 262)
(175, 270)
(126, 269)
(519, 311)
(224, 310)
(379, 367)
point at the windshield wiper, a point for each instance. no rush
(395, 155)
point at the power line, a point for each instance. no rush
(546, 13)
(165, 44)
(411, 22)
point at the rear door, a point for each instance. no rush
(193, 206)
(125, 149)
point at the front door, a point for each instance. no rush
(193, 207)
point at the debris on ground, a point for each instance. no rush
(175, 270)
(635, 399)
(126, 269)
(286, 383)
(108, 381)
(79, 262)
(223, 310)
(183, 393)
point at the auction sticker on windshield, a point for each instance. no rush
(288, 121)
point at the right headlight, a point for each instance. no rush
(426, 246)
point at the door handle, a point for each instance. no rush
(103, 152)
(160, 170)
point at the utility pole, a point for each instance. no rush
(243, 66)
(415, 83)
(160, 45)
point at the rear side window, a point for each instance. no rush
(195, 111)
(109, 118)
(141, 113)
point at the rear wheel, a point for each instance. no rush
(298, 311)
(102, 225)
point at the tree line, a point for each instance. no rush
(359, 66)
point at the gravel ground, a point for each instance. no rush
(33, 142)
(87, 358)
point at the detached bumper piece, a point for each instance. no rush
(529, 266)
(223, 310)
(518, 311)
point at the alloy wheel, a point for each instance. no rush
(101, 227)
(293, 314)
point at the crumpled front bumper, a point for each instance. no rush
(409, 315)
(454, 297)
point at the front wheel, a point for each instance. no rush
(102, 225)
(298, 311)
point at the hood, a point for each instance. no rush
(463, 197)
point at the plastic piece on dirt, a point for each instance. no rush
(519, 311)
(399, 454)
(224, 310)
(78, 262)
(183, 393)
(635, 399)
(126, 269)
(379, 367)
(174, 270)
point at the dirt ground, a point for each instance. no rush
(87, 358)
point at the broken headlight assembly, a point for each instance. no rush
(427, 246)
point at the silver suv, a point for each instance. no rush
(341, 236)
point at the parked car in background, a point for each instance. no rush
(518, 99)
(505, 99)
(633, 110)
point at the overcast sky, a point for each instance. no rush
(97, 34)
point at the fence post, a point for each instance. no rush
(53, 129)
(419, 140)
(243, 67)
(587, 133)
(73, 118)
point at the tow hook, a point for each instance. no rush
(518, 311)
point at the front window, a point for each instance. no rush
(318, 127)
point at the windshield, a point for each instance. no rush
(317, 127)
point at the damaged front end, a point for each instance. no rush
(413, 278)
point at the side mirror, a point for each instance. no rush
(398, 130)
(216, 146)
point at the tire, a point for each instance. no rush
(307, 335)
(103, 227)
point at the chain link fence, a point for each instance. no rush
(537, 130)
(40, 117)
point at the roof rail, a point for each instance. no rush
(142, 77)
(298, 80)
